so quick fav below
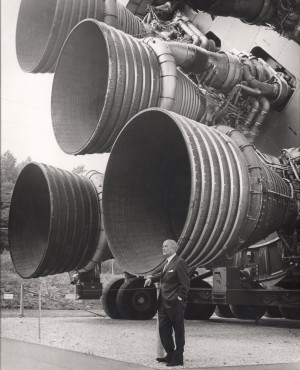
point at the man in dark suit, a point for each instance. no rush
(174, 287)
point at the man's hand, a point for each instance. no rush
(148, 281)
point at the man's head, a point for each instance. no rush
(169, 248)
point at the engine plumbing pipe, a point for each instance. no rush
(189, 32)
(204, 187)
(203, 39)
(194, 59)
(254, 106)
(55, 221)
(104, 77)
(43, 27)
(268, 90)
(190, 29)
(264, 109)
(110, 13)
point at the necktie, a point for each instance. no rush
(165, 266)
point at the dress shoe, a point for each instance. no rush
(177, 359)
(166, 359)
(175, 363)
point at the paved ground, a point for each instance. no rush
(215, 343)
(17, 355)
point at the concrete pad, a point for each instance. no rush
(18, 355)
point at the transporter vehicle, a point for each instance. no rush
(198, 104)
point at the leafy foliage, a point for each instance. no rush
(78, 169)
(10, 171)
(54, 288)
(8, 168)
(21, 165)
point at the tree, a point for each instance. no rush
(21, 165)
(6, 193)
(3, 240)
(78, 169)
(8, 168)
(8, 179)
(9, 174)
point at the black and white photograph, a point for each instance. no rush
(150, 184)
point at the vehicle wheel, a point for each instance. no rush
(273, 312)
(291, 313)
(136, 302)
(195, 310)
(223, 310)
(109, 298)
(249, 312)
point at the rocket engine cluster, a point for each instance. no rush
(179, 117)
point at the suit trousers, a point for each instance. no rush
(171, 317)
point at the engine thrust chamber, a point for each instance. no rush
(169, 177)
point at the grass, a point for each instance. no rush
(53, 289)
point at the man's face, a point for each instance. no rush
(167, 250)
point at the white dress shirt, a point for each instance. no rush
(169, 259)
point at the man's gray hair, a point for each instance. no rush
(171, 243)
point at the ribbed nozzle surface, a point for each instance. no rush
(53, 222)
(169, 177)
(43, 26)
(102, 79)
(35, 18)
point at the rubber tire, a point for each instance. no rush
(136, 302)
(109, 298)
(273, 312)
(223, 310)
(249, 312)
(290, 313)
(194, 310)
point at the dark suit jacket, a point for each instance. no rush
(174, 283)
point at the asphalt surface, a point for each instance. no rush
(19, 355)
